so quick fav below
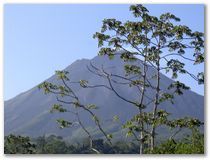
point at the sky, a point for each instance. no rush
(42, 38)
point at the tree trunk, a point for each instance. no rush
(152, 143)
(141, 123)
(141, 148)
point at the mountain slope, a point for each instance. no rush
(28, 113)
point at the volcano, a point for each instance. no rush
(28, 113)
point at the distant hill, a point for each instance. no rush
(28, 113)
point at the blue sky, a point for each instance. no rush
(39, 39)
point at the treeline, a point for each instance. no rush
(191, 144)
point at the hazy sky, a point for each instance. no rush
(39, 39)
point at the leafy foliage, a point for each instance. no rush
(162, 42)
(58, 107)
(65, 95)
(63, 123)
(179, 87)
(191, 144)
(18, 145)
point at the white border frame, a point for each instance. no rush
(101, 157)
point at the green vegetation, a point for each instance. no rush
(161, 43)
(18, 145)
(193, 144)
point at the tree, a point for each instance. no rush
(69, 102)
(162, 43)
(190, 144)
(18, 145)
(52, 145)
(193, 144)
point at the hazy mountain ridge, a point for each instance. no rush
(28, 113)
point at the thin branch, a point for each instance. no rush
(98, 86)
(126, 100)
(106, 75)
(70, 90)
(177, 54)
(59, 93)
(88, 133)
(173, 135)
(97, 123)
(65, 102)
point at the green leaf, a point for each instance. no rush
(115, 118)
(95, 118)
(62, 75)
(174, 75)
(77, 104)
(111, 56)
(200, 77)
(109, 136)
(138, 10)
(92, 106)
(58, 107)
(132, 69)
(168, 16)
(63, 123)
(83, 83)
(179, 87)
(199, 59)
(129, 133)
